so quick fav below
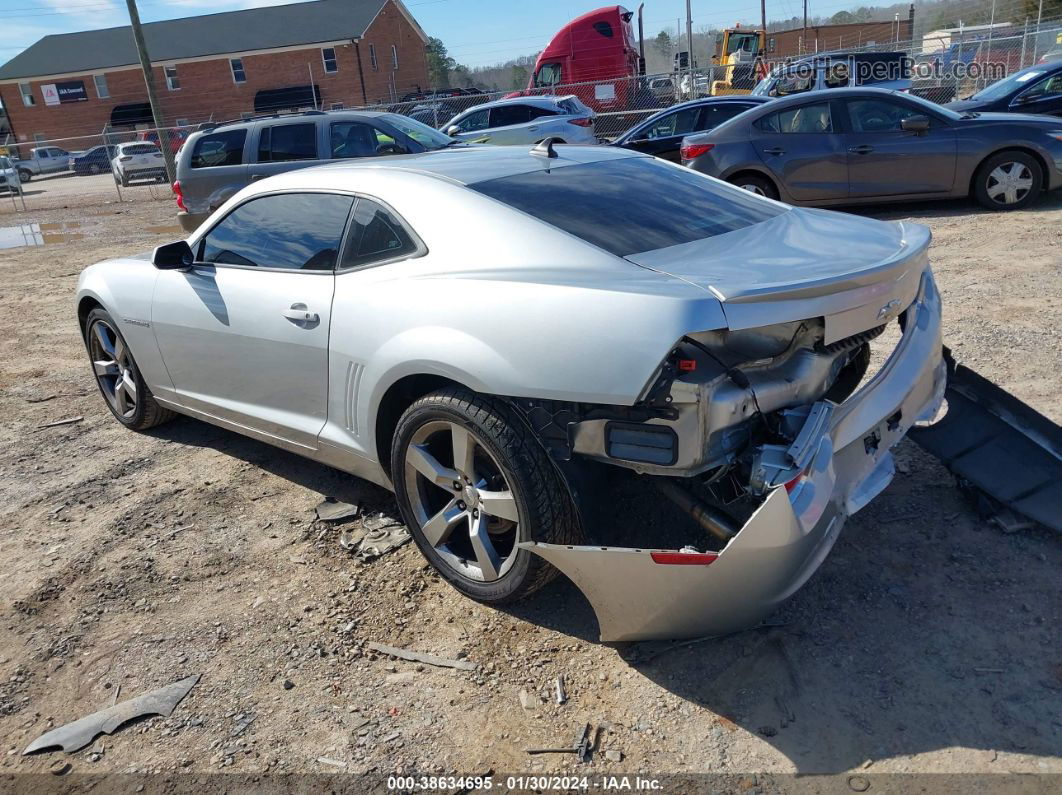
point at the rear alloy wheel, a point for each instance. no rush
(755, 184)
(472, 483)
(1008, 181)
(25, 176)
(117, 376)
(94, 168)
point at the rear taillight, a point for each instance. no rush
(582, 122)
(690, 151)
(684, 558)
(179, 195)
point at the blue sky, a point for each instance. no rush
(477, 32)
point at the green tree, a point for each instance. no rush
(662, 43)
(518, 76)
(440, 64)
(842, 17)
(1052, 9)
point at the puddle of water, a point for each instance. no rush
(25, 235)
(21, 235)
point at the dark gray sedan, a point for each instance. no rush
(862, 145)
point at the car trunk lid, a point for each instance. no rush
(856, 273)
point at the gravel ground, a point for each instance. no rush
(928, 642)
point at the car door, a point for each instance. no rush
(244, 332)
(886, 160)
(509, 124)
(281, 145)
(1042, 97)
(663, 136)
(804, 149)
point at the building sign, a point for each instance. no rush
(70, 91)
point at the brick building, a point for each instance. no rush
(849, 36)
(324, 54)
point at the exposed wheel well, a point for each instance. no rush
(402, 394)
(1044, 172)
(84, 306)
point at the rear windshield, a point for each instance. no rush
(630, 205)
(140, 149)
(222, 148)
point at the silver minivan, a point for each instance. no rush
(215, 162)
(889, 70)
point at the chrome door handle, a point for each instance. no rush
(774, 150)
(532, 129)
(862, 149)
(299, 314)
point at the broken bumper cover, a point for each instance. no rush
(789, 535)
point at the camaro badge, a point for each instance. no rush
(895, 302)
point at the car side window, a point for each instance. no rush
(505, 115)
(876, 115)
(794, 83)
(375, 235)
(805, 119)
(297, 231)
(357, 139)
(474, 121)
(535, 112)
(284, 142)
(714, 115)
(1048, 87)
(219, 149)
(678, 123)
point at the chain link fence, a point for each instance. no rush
(89, 168)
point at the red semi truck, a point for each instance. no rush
(594, 52)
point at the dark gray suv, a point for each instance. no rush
(217, 161)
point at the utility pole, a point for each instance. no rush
(149, 79)
(804, 35)
(689, 47)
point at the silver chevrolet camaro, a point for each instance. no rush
(477, 328)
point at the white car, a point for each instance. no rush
(525, 120)
(138, 160)
(9, 180)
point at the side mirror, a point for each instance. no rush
(453, 130)
(173, 256)
(916, 124)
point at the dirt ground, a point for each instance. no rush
(927, 643)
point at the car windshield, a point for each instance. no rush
(421, 133)
(1009, 84)
(672, 205)
(4, 163)
(932, 107)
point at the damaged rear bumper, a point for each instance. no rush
(782, 544)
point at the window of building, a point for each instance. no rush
(172, 83)
(247, 114)
(328, 55)
(394, 57)
(372, 57)
(182, 122)
(282, 142)
(299, 231)
(222, 148)
(238, 75)
(27, 95)
(375, 235)
(101, 86)
(336, 106)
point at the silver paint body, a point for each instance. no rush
(506, 305)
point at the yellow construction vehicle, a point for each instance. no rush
(741, 51)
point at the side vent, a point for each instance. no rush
(350, 392)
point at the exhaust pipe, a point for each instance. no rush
(711, 519)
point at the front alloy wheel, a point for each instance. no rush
(117, 376)
(473, 482)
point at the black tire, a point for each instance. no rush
(546, 512)
(95, 168)
(147, 412)
(125, 181)
(755, 184)
(24, 175)
(1024, 166)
